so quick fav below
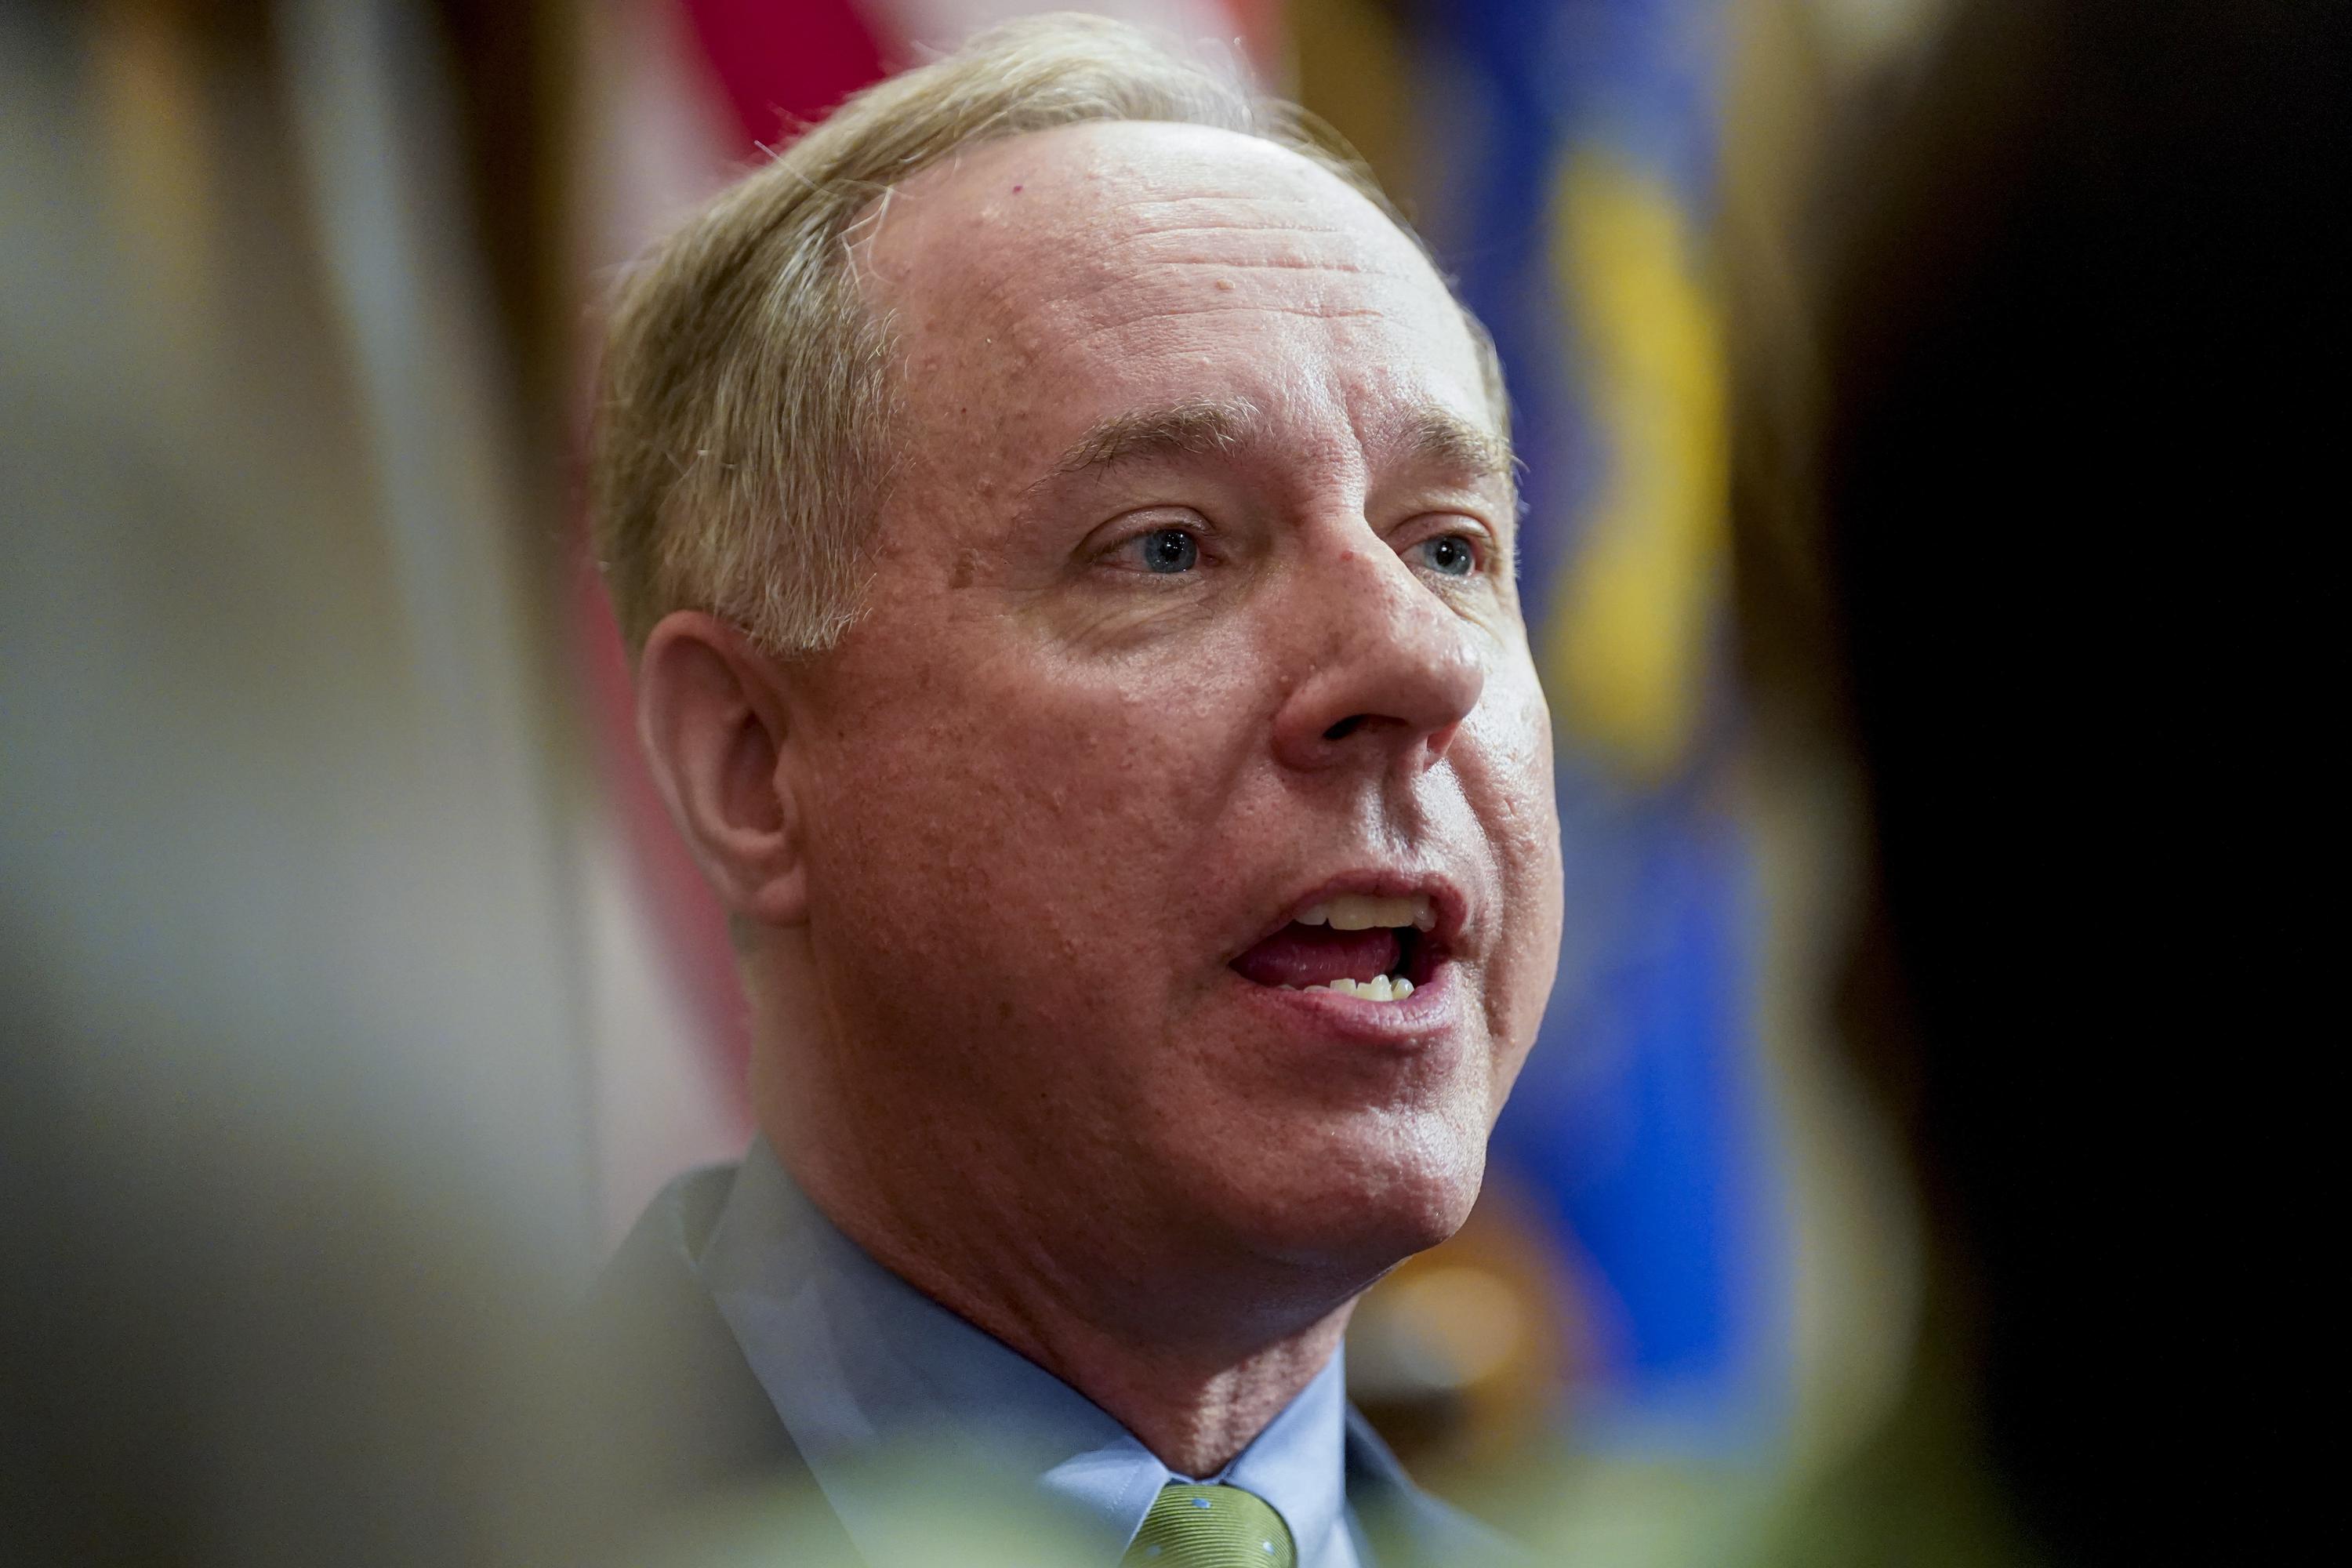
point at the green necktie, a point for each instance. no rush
(1192, 1526)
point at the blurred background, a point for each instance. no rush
(1929, 408)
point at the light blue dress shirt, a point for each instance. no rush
(861, 1365)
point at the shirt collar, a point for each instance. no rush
(1299, 1464)
(861, 1366)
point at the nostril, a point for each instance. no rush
(1344, 728)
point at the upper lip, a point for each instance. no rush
(1445, 901)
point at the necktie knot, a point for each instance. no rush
(1194, 1526)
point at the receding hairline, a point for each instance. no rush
(999, 145)
(865, 231)
(1432, 432)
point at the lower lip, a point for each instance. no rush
(1415, 1023)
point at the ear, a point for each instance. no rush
(712, 715)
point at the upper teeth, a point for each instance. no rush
(1360, 912)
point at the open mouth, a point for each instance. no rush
(1375, 949)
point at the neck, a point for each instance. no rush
(1194, 1372)
(1187, 1339)
(1196, 1408)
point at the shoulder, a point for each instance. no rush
(1409, 1528)
(665, 1372)
(658, 1255)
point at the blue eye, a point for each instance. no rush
(1168, 550)
(1450, 555)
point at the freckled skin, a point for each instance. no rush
(1050, 795)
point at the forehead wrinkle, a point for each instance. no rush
(1246, 223)
(1182, 252)
(1306, 311)
(1115, 299)
(1233, 215)
(1292, 263)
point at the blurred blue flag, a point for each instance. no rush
(1569, 186)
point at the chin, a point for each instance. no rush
(1357, 1204)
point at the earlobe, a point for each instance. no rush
(712, 713)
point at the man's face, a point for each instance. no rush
(1193, 616)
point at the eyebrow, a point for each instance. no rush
(1188, 428)
(1435, 436)
(1430, 436)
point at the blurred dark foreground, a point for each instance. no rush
(2032, 499)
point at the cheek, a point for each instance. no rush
(1035, 817)
(1513, 731)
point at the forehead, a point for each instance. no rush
(1060, 278)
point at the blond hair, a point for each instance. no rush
(747, 392)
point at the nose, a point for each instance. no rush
(1385, 670)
